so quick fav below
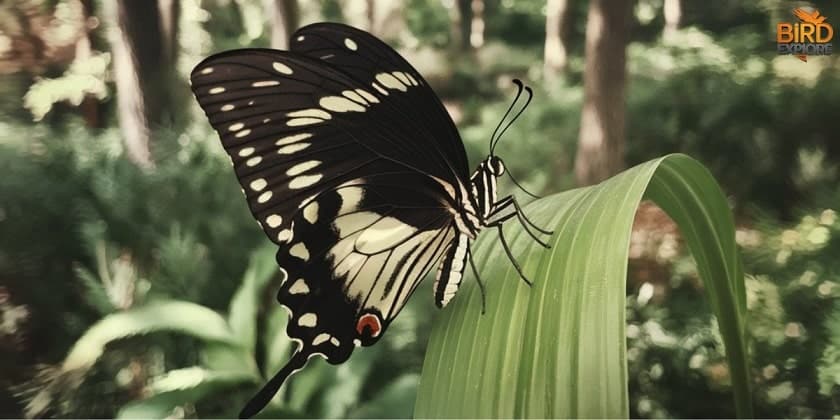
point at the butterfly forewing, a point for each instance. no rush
(371, 62)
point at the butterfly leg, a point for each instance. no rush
(480, 284)
(521, 214)
(505, 203)
(498, 224)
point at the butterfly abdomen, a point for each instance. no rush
(451, 270)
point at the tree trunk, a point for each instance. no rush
(556, 30)
(285, 18)
(463, 24)
(477, 24)
(170, 12)
(140, 67)
(600, 151)
(672, 9)
(370, 16)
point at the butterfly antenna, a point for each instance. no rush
(259, 401)
(518, 93)
(530, 96)
(515, 182)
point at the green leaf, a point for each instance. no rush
(557, 349)
(175, 316)
(246, 301)
(179, 387)
(395, 401)
(172, 316)
(328, 391)
(278, 345)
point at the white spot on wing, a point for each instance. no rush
(274, 220)
(265, 83)
(340, 104)
(216, 90)
(320, 338)
(350, 44)
(264, 197)
(282, 68)
(227, 107)
(310, 213)
(389, 81)
(243, 133)
(304, 181)
(379, 89)
(295, 122)
(310, 112)
(308, 320)
(258, 184)
(299, 287)
(293, 138)
(207, 70)
(300, 38)
(302, 167)
(254, 161)
(402, 77)
(353, 95)
(299, 250)
(236, 127)
(367, 95)
(335, 341)
(247, 151)
(284, 235)
(292, 148)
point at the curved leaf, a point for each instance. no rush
(175, 316)
(182, 386)
(245, 303)
(557, 349)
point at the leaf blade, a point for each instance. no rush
(567, 353)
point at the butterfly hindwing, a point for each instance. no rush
(358, 264)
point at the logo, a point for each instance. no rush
(810, 36)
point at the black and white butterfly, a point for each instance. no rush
(352, 166)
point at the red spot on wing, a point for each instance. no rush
(370, 322)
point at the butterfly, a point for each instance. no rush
(354, 169)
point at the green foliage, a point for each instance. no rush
(429, 21)
(717, 101)
(561, 351)
(792, 327)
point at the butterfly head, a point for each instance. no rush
(495, 165)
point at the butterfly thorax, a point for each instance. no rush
(484, 189)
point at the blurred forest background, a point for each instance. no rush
(134, 282)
